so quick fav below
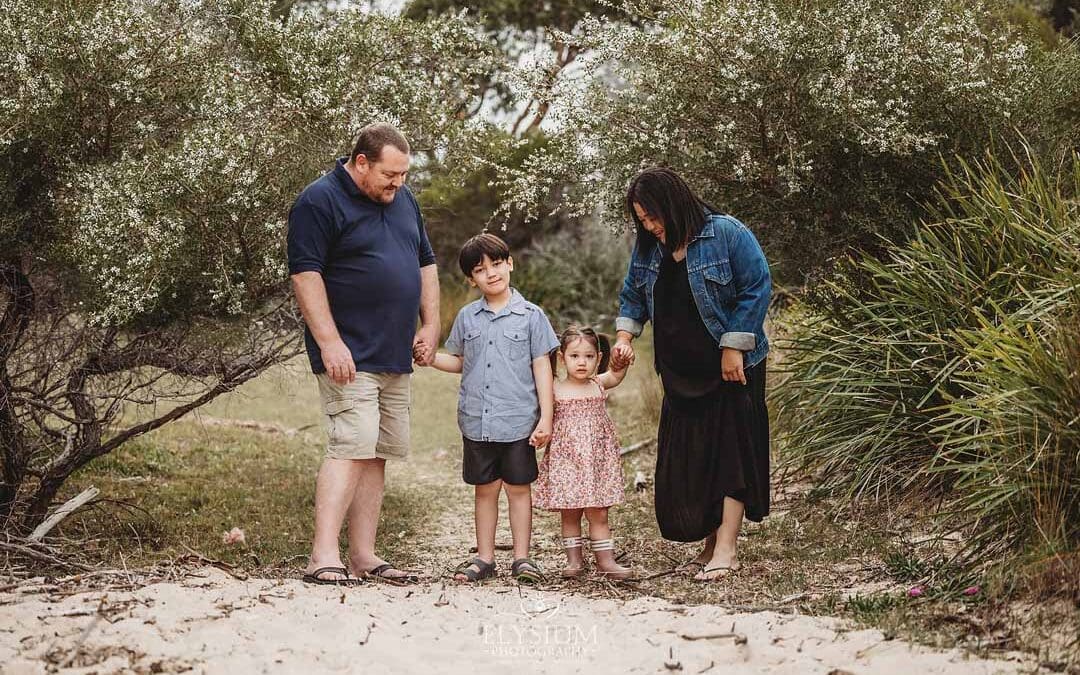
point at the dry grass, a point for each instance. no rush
(249, 460)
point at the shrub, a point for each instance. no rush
(949, 370)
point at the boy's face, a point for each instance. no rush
(492, 277)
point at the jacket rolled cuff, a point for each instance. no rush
(742, 341)
(629, 325)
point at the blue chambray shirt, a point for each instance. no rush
(498, 399)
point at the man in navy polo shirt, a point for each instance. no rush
(362, 270)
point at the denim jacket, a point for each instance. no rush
(729, 278)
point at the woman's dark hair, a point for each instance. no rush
(664, 195)
(474, 250)
(601, 342)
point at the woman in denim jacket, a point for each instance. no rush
(703, 281)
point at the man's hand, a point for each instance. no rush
(425, 345)
(622, 355)
(731, 364)
(339, 362)
(541, 434)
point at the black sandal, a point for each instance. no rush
(526, 571)
(379, 573)
(484, 570)
(314, 578)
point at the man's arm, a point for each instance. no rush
(428, 334)
(311, 296)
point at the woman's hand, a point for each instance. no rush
(731, 365)
(622, 355)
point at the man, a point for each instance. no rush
(362, 269)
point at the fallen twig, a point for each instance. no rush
(64, 511)
(636, 446)
(195, 556)
(31, 552)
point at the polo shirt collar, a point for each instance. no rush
(516, 305)
(347, 182)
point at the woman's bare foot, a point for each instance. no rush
(701, 561)
(720, 565)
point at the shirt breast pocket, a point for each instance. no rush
(471, 345)
(515, 344)
(718, 283)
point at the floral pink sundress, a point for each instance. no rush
(582, 467)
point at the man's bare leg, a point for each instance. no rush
(335, 487)
(364, 518)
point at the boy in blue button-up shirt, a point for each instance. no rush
(501, 345)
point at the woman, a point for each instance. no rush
(703, 281)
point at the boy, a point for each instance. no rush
(500, 345)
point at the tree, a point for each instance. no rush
(821, 124)
(150, 150)
(518, 27)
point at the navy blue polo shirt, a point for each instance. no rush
(369, 255)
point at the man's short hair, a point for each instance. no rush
(474, 250)
(374, 137)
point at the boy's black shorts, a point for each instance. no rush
(486, 461)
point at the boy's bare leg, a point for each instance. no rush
(334, 490)
(520, 499)
(486, 516)
(364, 518)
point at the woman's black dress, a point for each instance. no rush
(713, 440)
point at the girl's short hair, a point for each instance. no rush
(474, 250)
(601, 342)
(664, 195)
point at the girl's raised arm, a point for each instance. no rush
(611, 378)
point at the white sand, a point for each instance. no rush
(213, 623)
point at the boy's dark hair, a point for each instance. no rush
(666, 196)
(474, 250)
(601, 342)
(374, 137)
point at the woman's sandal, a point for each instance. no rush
(573, 572)
(526, 571)
(725, 571)
(484, 570)
(690, 568)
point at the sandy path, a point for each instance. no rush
(213, 623)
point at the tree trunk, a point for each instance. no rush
(13, 450)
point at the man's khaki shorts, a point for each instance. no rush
(367, 418)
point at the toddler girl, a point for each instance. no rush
(581, 472)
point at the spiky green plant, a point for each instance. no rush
(942, 371)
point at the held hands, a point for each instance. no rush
(424, 345)
(622, 356)
(731, 365)
(339, 362)
(541, 434)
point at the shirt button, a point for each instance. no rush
(487, 386)
(490, 342)
(489, 365)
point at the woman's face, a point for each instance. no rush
(654, 225)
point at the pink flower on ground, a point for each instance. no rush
(916, 591)
(233, 536)
(971, 590)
